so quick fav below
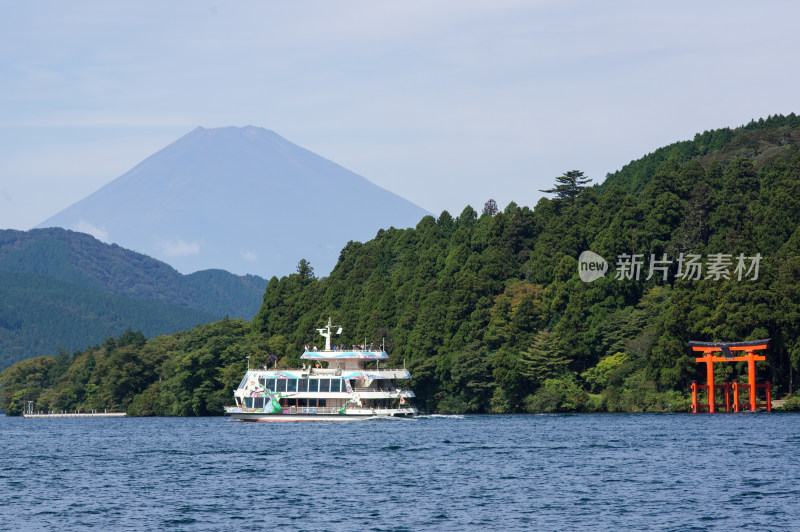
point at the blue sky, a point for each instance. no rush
(446, 103)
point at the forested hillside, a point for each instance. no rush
(761, 141)
(63, 289)
(489, 312)
(40, 315)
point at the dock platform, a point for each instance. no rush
(75, 414)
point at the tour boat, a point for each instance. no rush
(334, 384)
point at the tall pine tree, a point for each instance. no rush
(568, 186)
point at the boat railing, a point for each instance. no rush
(311, 410)
(324, 371)
(380, 368)
(331, 409)
(339, 371)
(385, 389)
(313, 349)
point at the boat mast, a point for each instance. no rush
(326, 333)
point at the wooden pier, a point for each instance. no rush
(41, 415)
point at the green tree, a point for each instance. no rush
(305, 271)
(543, 360)
(568, 186)
(490, 207)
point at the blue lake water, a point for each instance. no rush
(542, 472)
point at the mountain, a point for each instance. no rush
(63, 289)
(244, 200)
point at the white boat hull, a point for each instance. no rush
(239, 415)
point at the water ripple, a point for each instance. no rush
(593, 472)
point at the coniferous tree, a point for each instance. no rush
(568, 186)
(305, 271)
(543, 359)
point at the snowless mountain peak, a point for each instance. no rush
(243, 199)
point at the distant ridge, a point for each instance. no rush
(63, 289)
(244, 200)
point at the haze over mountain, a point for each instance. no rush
(241, 199)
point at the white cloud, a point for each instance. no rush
(249, 255)
(87, 227)
(178, 248)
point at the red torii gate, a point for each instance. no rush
(708, 348)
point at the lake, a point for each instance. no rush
(526, 472)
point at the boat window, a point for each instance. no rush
(271, 383)
(313, 385)
(335, 383)
(259, 403)
(248, 402)
(321, 402)
(302, 385)
(244, 381)
(324, 385)
(291, 385)
(280, 386)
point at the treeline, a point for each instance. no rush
(190, 373)
(489, 312)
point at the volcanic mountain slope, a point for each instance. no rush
(244, 200)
